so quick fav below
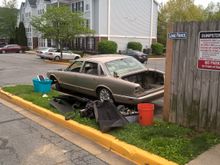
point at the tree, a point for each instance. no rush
(21, 35)
(212, 11)
(9, 4)
(60, 24)
(8, 19)
(177, 11)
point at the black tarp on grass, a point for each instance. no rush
(108, 116)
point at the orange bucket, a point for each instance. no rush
(146, 113)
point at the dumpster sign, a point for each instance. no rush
(209, 51)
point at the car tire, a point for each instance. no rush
(20, 51)
(56, 83)
(57, 58)
(76, 58)
(3, 51)
(104, 95)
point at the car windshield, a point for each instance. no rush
(124, 66)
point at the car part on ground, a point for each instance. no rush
(108, 116)
(106, 113)
(120, 78)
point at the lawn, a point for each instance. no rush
(167, 140)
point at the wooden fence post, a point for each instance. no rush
(168, 75)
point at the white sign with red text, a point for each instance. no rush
(209, 50)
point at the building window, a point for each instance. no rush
(40, 11)
(87, 6)
(87, 23)
(29, 42)
(91, 43)
(78, 6)
(41, 42)
(49, 42)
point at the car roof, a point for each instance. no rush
(103, 58)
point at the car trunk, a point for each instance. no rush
(148, 80)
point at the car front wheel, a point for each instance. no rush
(104, 94)
(57, 58)
(3, 51)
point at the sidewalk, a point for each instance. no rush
(30, 52)
(211, 156)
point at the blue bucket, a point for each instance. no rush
(43, 86)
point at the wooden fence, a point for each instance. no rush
(192, 96)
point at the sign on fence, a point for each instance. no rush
(177, 35)
(209, 50)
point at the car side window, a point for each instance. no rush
(75, 67)
(90, 68)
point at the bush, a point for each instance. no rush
(107, 47)
(157, 48)
(134, 46)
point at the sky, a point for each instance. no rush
(197, 2)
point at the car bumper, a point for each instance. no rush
(136, 100)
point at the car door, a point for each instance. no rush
(69, 78)
(89, 78)
(67, 55)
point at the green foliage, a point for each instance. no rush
(177, 11)
(21, 35)
(8, 19)
(9, 3)
(157, 48)
(212, 12)
(60, 24)
(107, 47)
(168, 140)
(134, 46)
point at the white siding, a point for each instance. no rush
(130, 17)
(155, 20)
(95, 21)
(103, 17)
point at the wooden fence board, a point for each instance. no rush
(218, 98)
(173, 105)
(168, 71)
(181, 69)
(213, 91)
(189, 76)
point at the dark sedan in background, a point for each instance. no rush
(140, 56)
(12, 48)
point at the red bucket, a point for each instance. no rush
(146, 113)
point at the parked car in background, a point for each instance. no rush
(140, 56)
(12, 48)
(41, 52)
(56, 55)
(120, 78)
(2, 44)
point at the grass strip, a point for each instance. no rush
(167, 140)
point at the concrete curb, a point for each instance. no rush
(128, 151)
